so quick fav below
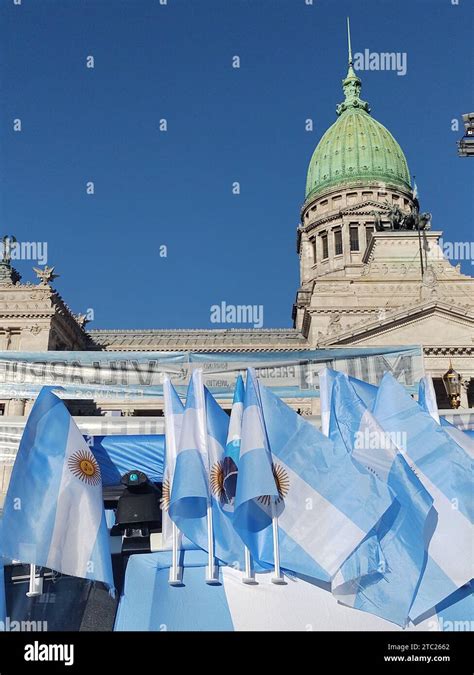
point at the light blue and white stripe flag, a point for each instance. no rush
(365, 391)
(190, 490)
(228, 545)
(256, 484)
(325, 505)
(427, 402)
(445, 471)
(54, 513)
(427, 397)
(198, 476)
(456, 613)
(174, 410)
(382, 575)
(232, 448)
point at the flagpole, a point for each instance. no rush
(249, 577)
(278, 578)
(211, 571)
(175, 571)
(36, 584)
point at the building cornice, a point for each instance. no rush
(204, 340)
(355, 185)
(392, 321)
(360, 209)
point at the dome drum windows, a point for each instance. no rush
(369, 232)
(351, 197)
(338, 248)
(324, 245)
(354, 237)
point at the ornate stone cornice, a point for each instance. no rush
(361, 209)
(448, 350)
(356, 185)
(393, 319)
(206, 340)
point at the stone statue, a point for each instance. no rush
(410, 221)
(81, 319)
(7, 241)
(46, 275)
(424, 221)
(396, 217)
(377, 220)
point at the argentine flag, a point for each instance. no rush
(328, 506)
(174, 410)
(257, 491)
(232, 448)
(427, 402)
(382, 575)
(190, 490)
(53, 513)
(427, 397)
(199, 476)
(365, 391)
(325, 505)
(445, 470)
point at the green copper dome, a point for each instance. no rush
(356, 148)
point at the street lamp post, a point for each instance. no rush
(452, 384)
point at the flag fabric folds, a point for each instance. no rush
(366, 392)
(232, 448)
(190, 490)
(325, 505)
(427, 397)
(198, 480)
(427, 402)
(174, 410)
(256, 485)
(445, 470)
(383, 574)
(53, 513)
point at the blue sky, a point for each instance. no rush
(174, 188)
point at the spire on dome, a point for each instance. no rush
(352, 84)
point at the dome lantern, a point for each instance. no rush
(356, 149)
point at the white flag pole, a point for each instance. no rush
(211, 568)
(249, 577)
(175, 578)
(36, 584)
(278, 578)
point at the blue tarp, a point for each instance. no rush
(118, 454)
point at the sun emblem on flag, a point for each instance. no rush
(282, 484)
(165, 494)
(217, 481)
(84, 466)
